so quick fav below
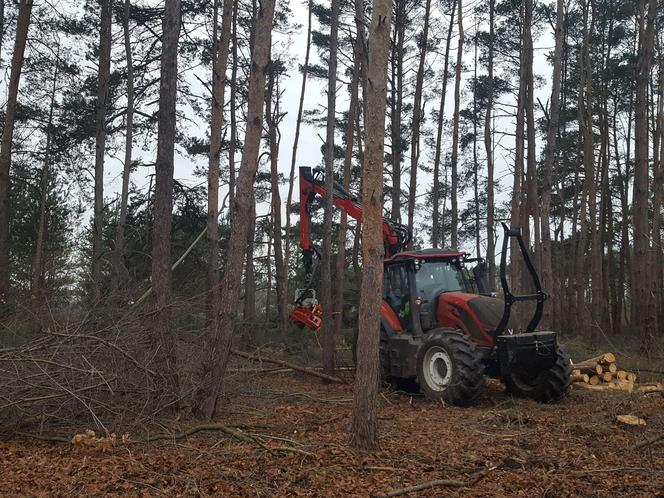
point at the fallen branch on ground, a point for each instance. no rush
(447, 483)
(648, 442)
(288, 364)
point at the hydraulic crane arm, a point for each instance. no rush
(312, 183)
(395, 236)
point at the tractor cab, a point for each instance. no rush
(434, 288)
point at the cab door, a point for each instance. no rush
(398, 283)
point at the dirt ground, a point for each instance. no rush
(574, 449)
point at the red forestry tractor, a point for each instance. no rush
(440, 325)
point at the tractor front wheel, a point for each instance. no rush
(545, 386)
(450, 368)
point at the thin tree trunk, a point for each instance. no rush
(217, 350)
(658, 195)
(249, 310)
(326, 255)
(488, 147)
(163, 340)
(104, 75)
(233, 121)
(340, 270)
(23, 23)
(417, 119)
(272, 119)
(516, 219)
(364, 430)
(36, 287)
(397, 102)
(531, 176)
(219, 66)
(436, 225)
(455, 133)
(296, 140)
(476, 192)
(549, 161)
(119, 269)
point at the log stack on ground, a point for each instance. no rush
(602, 372)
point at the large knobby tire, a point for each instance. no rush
(450, 368)
(545, 386)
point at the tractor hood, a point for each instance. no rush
(475, 314)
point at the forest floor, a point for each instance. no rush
(517, 447)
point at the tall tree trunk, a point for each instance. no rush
(340, 270)
(104, 75)
(272, 119)
(326, 253)
(163, 340)
(296, 139)
(233, 120)
(247, 337)
(24, 11)
(531, 176)
(218, 347)
(417, 119)
(549, 161)
(488, 147)
(397, 103)
(119, 269)
(476, 173)
(36, 286)
(364, 430)
(219, 66)
(436, 225)
(455, 133)
(516, 219)
(642, 310)
(658, 198)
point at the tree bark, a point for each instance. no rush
(233, 121)
(272, 118)
(163, 340)
(531, 161)
(219, 66)
(326, 253)
(364, 430)
(417, 117)
(218, 347)
(340, 270)
(642, 312)
(488, 147)
(436, 225)
(397, 106)
(454, 235)
(296, 139)
(104, 75)
(549, 161)
(119, 269)
(23, 23)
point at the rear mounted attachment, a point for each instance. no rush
(539, 296)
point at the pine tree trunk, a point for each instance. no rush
(488, 147)
(218, 349)
(219, 66)
(247, 336)
(417, 119)
(476, 166)
(104, 75)
(296, 139)
(549, 161)
(397, 103)
(658, 199)
(531, 176)
(364, 430)
(162, 339)
(279, 263)
(119, 269)
(24, 12)
(340, 270)
(233, 121)
(516, 219)
(455, 133)
(36, 287)
(642, 310)
(326, 254)
(436, 224)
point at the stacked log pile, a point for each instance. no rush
(602, 372)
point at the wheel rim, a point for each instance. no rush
(437, 368)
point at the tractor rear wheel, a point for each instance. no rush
(545, 386)
(449, 367)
